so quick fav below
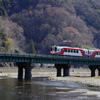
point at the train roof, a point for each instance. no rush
(66, 47)
(77, 48)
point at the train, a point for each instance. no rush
(74, 51)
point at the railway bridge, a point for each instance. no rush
(65, 62)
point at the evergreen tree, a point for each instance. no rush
(32, 48)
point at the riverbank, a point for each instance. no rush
(77, 75)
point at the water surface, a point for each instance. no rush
(44, 89)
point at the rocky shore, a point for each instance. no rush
(77, 75)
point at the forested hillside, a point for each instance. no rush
(50, 22)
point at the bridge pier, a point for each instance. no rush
(92, 68)
(27, 67)
(20, 73)
(65, 67)
(28, 74)
(58, 67)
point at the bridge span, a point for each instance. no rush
(65, 62)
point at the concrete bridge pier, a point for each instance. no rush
(28, 74)
(27, 67)
(92, 68)
(20, 73)
(66, 68)
(58, 67)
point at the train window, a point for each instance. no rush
(51, 49)
(65, 50)
(71, 50)
(97, 53)
(55, 48)
(74, 51)
(68, 50)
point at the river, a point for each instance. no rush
(40, 88)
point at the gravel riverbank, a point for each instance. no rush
(77, 75)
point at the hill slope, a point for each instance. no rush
(59, 22)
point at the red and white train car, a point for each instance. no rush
(72, 51)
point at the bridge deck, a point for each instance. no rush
(54, 59)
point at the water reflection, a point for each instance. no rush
(43, 89)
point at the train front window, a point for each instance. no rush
(55, 48)
(51, 49)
